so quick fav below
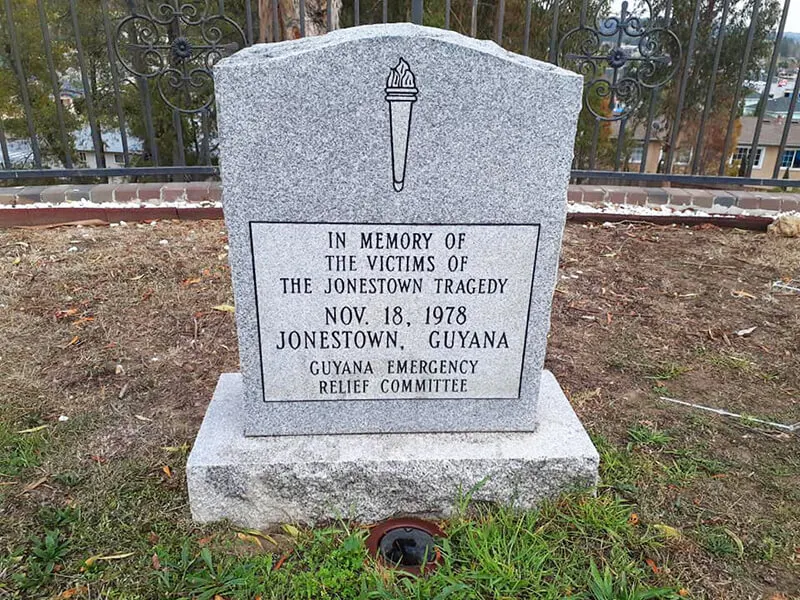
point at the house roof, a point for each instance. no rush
(771, 132)
(770, 135)
(112, 141)
(20, 153)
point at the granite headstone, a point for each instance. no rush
(395, 198)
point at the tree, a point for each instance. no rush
(23, 56)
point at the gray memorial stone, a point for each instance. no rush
(395, 198)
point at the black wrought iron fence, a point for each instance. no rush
(687, 91)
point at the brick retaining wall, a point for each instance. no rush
(206, 195)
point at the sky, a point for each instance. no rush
(792, 20)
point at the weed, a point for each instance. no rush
(19, 451)
(667, 371)
(618, 469)
(729, 361)
(720, 541)
(642, 435)
(687, 464)
(603, 586)
(57, 518)
(46, 553)
(68, 478)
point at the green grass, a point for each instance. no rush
(666, 371)
(134, 518)
(19, 451)
(642, 435)
(730, 361)
(720, 541)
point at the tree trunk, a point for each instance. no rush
(288, 18)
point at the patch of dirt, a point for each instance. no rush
(660, 307)
(117, 323)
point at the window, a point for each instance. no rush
(82, 157)
(683, 156)
(791, 158)
(742, 153)
(119, 159)
(636, 154)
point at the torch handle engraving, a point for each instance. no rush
(401, 93)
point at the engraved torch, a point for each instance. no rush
(401, 93)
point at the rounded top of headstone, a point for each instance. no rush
(260, 53)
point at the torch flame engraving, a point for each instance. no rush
(401, 93)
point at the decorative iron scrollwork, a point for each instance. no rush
(623, 73)
(176, 43)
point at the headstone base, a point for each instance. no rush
(259, 481)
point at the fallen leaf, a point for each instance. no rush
(17, 260)
(152, 537)
(89, 562)
(259, 534)
(82, 320)
(155, 562)
(33, 485)
(192, 281)
(280, 562)
(291, 530)
(633, 519)
(250, 538)
(61, 314)
(33, 429)
(167, 471)
(205, 540)
(736, 540)
(742, 294)
(683, 592)
(98, 459)
(73, 592)
(142, 418)
(182, 448)
(73, 341)
(667, 531)
(224, 308)
(745, 332)
(147, 294)
(652, 564)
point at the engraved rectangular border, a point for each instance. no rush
(372, 224)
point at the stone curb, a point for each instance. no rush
(33, 217)
(715, 202)
(152, 193)
(710, 201)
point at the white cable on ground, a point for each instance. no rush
(725, 413)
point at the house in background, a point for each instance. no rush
(20, 153)
(113, 150)
(769, 141)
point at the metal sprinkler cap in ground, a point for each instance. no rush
(406, 544)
